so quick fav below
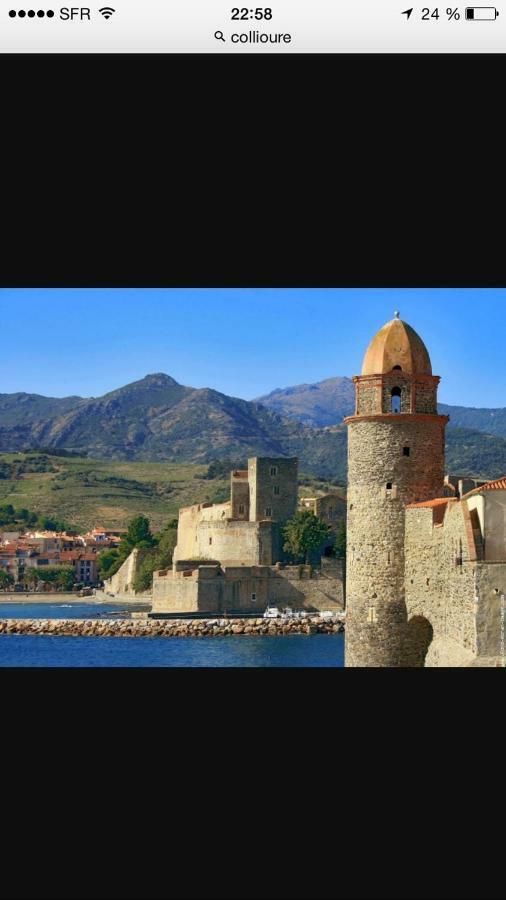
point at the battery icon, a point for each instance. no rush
(481, 13)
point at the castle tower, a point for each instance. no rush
(395, 457)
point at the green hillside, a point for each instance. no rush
(88, 492)
(85, 492)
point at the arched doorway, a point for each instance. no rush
(418, 640)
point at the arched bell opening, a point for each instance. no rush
(395, 400)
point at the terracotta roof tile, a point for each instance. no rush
(498, 485)
(438, 506)
(439, 501)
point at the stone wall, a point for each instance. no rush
(245, 542)
(425, 400)
(305, 587)
(382, 479)
(239, 496)
(440, 581)
(374, 393)
(183, 592)
(122, 581)
(397, 380)
(368, 396)
(492, 505)
(235, 588)
(491, 609)
(448, 587)
(273, 485)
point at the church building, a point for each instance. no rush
(426, 572)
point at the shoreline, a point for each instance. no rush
(171, 628)
(18, 597)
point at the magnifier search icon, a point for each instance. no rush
(219, 36)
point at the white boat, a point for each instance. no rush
(272, 612)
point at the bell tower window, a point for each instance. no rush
(395, 400)
(397, 369)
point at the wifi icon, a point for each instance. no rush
(107, 11)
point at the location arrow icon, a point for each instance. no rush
(407, 12)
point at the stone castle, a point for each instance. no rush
(426, 564)
(228, 556)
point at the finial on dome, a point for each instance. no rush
(397, 314)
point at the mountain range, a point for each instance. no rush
(327, 402)
(158, 419)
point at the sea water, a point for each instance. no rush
(295, 650)
(74, 610)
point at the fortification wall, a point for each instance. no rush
(183, 593)
(459, 595)
(441, 582)
(190, 518)
(303, 587)
(247, 542)
(491, 609)
(250, 588)
(495, 526)
(122, 581)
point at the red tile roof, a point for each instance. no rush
(439, 501)
(438, 507)
(76, 554)
(498, 485)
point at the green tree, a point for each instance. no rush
(62, 576)
(139, 532)
(304, 534)
(138, 535)
(65, 578)
(144, 578)
(340, 542)
(108, 563)
(6, 579)
(31, 576)
(45, 523)
(159, 558)
(167, 541)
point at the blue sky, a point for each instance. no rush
(242, 342)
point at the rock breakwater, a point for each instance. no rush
(172, 628)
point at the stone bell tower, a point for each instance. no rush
(395, 456)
